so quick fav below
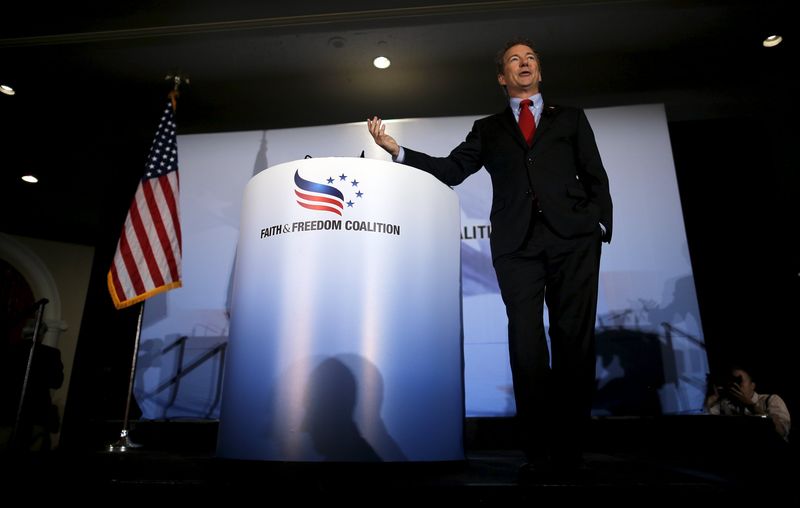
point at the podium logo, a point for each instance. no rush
(326, 198)
(321, 197)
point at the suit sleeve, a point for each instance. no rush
(464, 160)
(592, 173)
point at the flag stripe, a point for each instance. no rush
(136, 250)
(129, 263)
(117, 291)
(164, 258)
(144, 236)
(319, 199)
(170, 192)
(170, 217)
(148, 257)
(125, 284)
(324, 208)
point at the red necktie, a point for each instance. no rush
(526, 122)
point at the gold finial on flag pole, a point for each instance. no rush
(177, 81)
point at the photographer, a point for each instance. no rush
(737, 396)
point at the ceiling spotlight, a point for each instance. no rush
(381, 62)
(7, 90)
(772, 40)
(30, 179)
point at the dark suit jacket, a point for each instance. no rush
(562, 171)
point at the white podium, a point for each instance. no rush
(345, 339)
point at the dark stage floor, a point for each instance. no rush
(696, 459)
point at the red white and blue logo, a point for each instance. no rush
(325, 197)
(334, 196)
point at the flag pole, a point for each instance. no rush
(122, 298)
(124, 443)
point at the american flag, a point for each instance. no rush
(148, 257)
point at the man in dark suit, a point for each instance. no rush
(551, 209)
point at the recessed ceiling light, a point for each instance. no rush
(30, 179)
(337, 42)
(381, 62)
(7, 90)
(772, 40)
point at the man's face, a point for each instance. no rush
(746, 384)
(521, 74)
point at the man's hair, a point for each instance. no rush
(725, 376)
(498, 59)
(744, 368)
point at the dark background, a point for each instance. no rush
(90, 83)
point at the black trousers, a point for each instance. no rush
(552, 388)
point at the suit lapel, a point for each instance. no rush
(509, 123)
(545, 121)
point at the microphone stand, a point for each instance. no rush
(36, 326)
(124, 443)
